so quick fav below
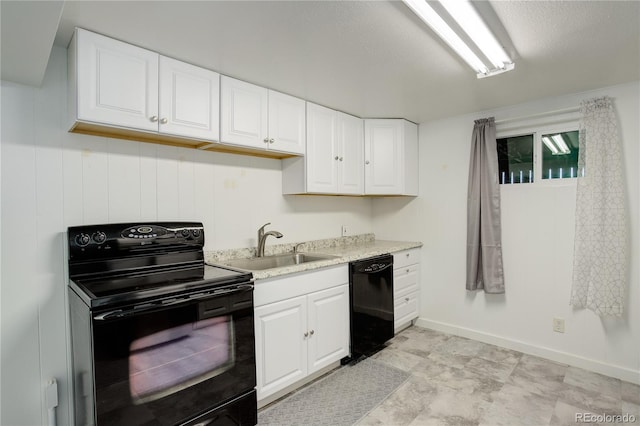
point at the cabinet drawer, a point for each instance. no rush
(285, 287)
(405, 279)
(406, 308)
(407, 257)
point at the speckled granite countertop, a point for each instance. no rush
(346, 249)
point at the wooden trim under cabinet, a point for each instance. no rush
(139, 136)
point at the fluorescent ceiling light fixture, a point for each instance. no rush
(550, 145)
(559, 140)
(559, 147)
(440, 27)
(468, 19)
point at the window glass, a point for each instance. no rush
(560, 155)
(515, 159)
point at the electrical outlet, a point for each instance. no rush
(345, 231)
(558, 325)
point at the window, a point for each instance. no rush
(515, 159)
(560, 155)
(540, 155)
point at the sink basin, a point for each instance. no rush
(268, 262)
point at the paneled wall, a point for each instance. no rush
(52, 179)
(537, 237)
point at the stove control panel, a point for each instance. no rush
(114, 240)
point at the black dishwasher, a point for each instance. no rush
(371, 304)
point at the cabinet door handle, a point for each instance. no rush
(407, 270)
(340, 158)
(366, 162)
(306, 334)
(266, 140)
(311, 332)
(406, 299)
(163, 121)
(271, 140)
(336, 158)
(153, 118)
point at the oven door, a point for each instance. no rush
(171, 360)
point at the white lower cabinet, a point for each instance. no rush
(297, 336)
(328, 324)
(281, 352)
(406, 289)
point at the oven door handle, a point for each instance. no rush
(120, 313)
(223, 291)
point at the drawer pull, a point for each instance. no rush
(407, 270)
(406, 299)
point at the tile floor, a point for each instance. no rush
(457, 381)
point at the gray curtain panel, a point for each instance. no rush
(484, 233)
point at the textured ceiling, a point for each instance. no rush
(375, 58)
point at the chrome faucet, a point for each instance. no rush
(262, 236)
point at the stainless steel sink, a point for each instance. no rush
(268, 262)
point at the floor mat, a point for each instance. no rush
(341, 398)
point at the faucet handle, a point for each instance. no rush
(297, 247)
(261, 229)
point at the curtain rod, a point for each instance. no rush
(542, 114)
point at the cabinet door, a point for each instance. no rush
(328, 326)
(383, 157)
(351, 153)
(117, 83)
(287, 124)
(189, 100)
(281, 346)
(321, 158)
(243, 113)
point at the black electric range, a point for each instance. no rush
(158, 336)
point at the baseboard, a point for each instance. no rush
(622, 373)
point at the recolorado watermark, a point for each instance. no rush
(605, 418)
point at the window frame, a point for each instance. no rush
(537, 131)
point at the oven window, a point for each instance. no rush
(170, 360)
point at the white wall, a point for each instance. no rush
(52, 179)
(538, 229)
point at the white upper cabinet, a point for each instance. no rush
(189, 100)
(321, 156)
(120, 90)
(391, 157)
(112, 83)
(287, 123)
(259, 118)
(116, 83)
(333, 161)
(244, 113)
(351, 153)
